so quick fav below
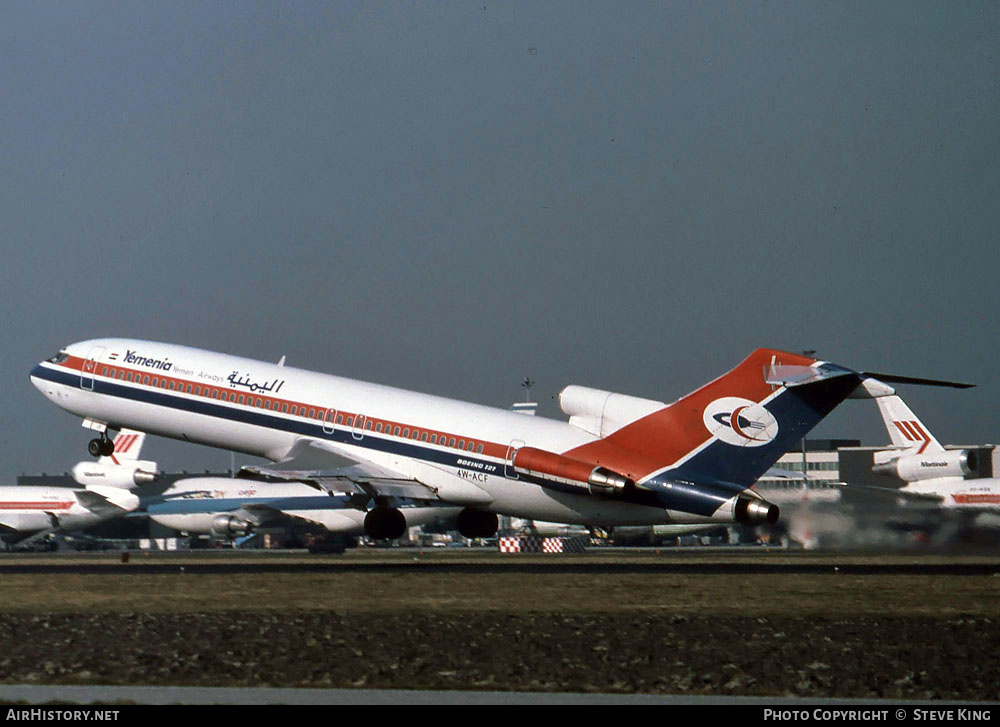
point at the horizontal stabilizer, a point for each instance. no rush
(796, 375)
(894, 379)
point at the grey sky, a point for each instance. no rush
(450, 196)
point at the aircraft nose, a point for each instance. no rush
(35, 376)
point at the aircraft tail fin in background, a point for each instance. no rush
(905, 430)
(122, 468)
(128, 446)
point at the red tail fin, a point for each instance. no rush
(676, 432)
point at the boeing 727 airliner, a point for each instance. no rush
(619, 460)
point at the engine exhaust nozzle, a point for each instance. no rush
(754, 511)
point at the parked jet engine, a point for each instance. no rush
(126, 475)
(228, 526)
(912, 467)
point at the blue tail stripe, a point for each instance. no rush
(797, 410)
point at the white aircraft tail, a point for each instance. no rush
(905, 430)
(122, 468)
(128, 445)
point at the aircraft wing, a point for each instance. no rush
(323, 465)
(914, 497)
(106, 501)
(262, 515)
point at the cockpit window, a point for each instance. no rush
(59, 357)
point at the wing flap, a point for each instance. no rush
(915, 497)
(310, 461)
(324, 465)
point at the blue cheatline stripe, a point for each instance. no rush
(268, 420)
(797, 410)
(206, 505)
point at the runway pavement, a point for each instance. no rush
(604, 561)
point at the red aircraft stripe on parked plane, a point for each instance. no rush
(974, 499)
(35, 505)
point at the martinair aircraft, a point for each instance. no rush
(122, 467)
(932, 474)
(619, 460)
(29, 511)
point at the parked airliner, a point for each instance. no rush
(930, 472)
(234, 508)
(122, 467)
(37, 511)
(619, 460)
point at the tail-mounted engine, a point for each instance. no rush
(129, 475)
(755, 511)
(913, 467)
(603, 412)
(571, 472)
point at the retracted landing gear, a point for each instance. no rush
(101, 446)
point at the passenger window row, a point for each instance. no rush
(214, 392)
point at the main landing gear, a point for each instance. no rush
(101, 446)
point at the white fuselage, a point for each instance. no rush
(192, 505)
(460, 449)
(29, 509)
(957, 493)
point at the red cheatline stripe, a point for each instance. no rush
(977, 499)
(900, 427)
(35, 505)
(490, 449)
